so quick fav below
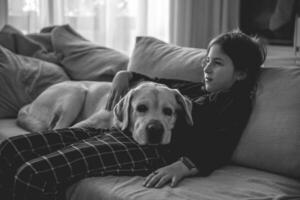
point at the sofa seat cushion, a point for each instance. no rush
(9, 128)
(228, 183)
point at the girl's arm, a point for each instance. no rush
(124, 80)
(210, 143)
(172, 174)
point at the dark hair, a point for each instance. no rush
(246, 52)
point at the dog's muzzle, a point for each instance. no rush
(155, 131)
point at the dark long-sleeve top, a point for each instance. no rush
(219, 120)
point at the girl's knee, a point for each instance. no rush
(25, 174)
(13, 145)
(11, 155)
(34, 181)
(4, 145)
(7, 152)
(27, 179)
(36, 173)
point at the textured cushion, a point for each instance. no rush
(155, 58)
(32, 45)
(84, 60)
(227, 183)
(22, 79)
(14, 40)
(271, 140)
(10, 128)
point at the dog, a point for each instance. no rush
(149, 111)
(65, 104)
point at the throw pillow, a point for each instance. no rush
(37, 45)
(156, 58)
(84, 60)
(17, 42)
(22, 79)
(271, 140)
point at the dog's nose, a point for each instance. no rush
(155, 132)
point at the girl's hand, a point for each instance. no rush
(172, 173)
(120, 85)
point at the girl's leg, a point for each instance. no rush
(48, 176)
(17, 150)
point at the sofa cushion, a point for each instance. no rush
(271, 140)
(84, 60)
(37, 45)
(227, 183)
(22, 79)
(155, 58)
(9, 128)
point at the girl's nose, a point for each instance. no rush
(208, 67)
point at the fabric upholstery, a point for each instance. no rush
(156, 58)
(61, 45)
(84, 60)
(271, 140)
(10, 128)
(14, 40)
(33, 45)
(227, 183)
(22, 79)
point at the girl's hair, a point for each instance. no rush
(246, 52)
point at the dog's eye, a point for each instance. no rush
(168, 111)
(142, 108)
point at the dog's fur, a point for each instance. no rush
(65, 104)
(149, 110)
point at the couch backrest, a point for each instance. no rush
(271, 140)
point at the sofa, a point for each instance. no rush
(265, 164)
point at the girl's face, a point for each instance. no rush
(219, 71)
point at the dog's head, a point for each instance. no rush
(149, 112)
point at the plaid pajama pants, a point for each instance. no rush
(42, 165)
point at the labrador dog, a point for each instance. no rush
(149, 111)
(65, 104)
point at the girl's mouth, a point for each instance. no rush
(208, 79)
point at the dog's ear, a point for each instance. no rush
(121, 111)
(186, 106)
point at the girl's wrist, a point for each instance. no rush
(189, 165)
(187, 162)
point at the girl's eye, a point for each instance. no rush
(142, 108)
(218, 63)
(213, 62)
(168, 111)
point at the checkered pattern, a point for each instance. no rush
(46, 163)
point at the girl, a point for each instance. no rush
(43, 165)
